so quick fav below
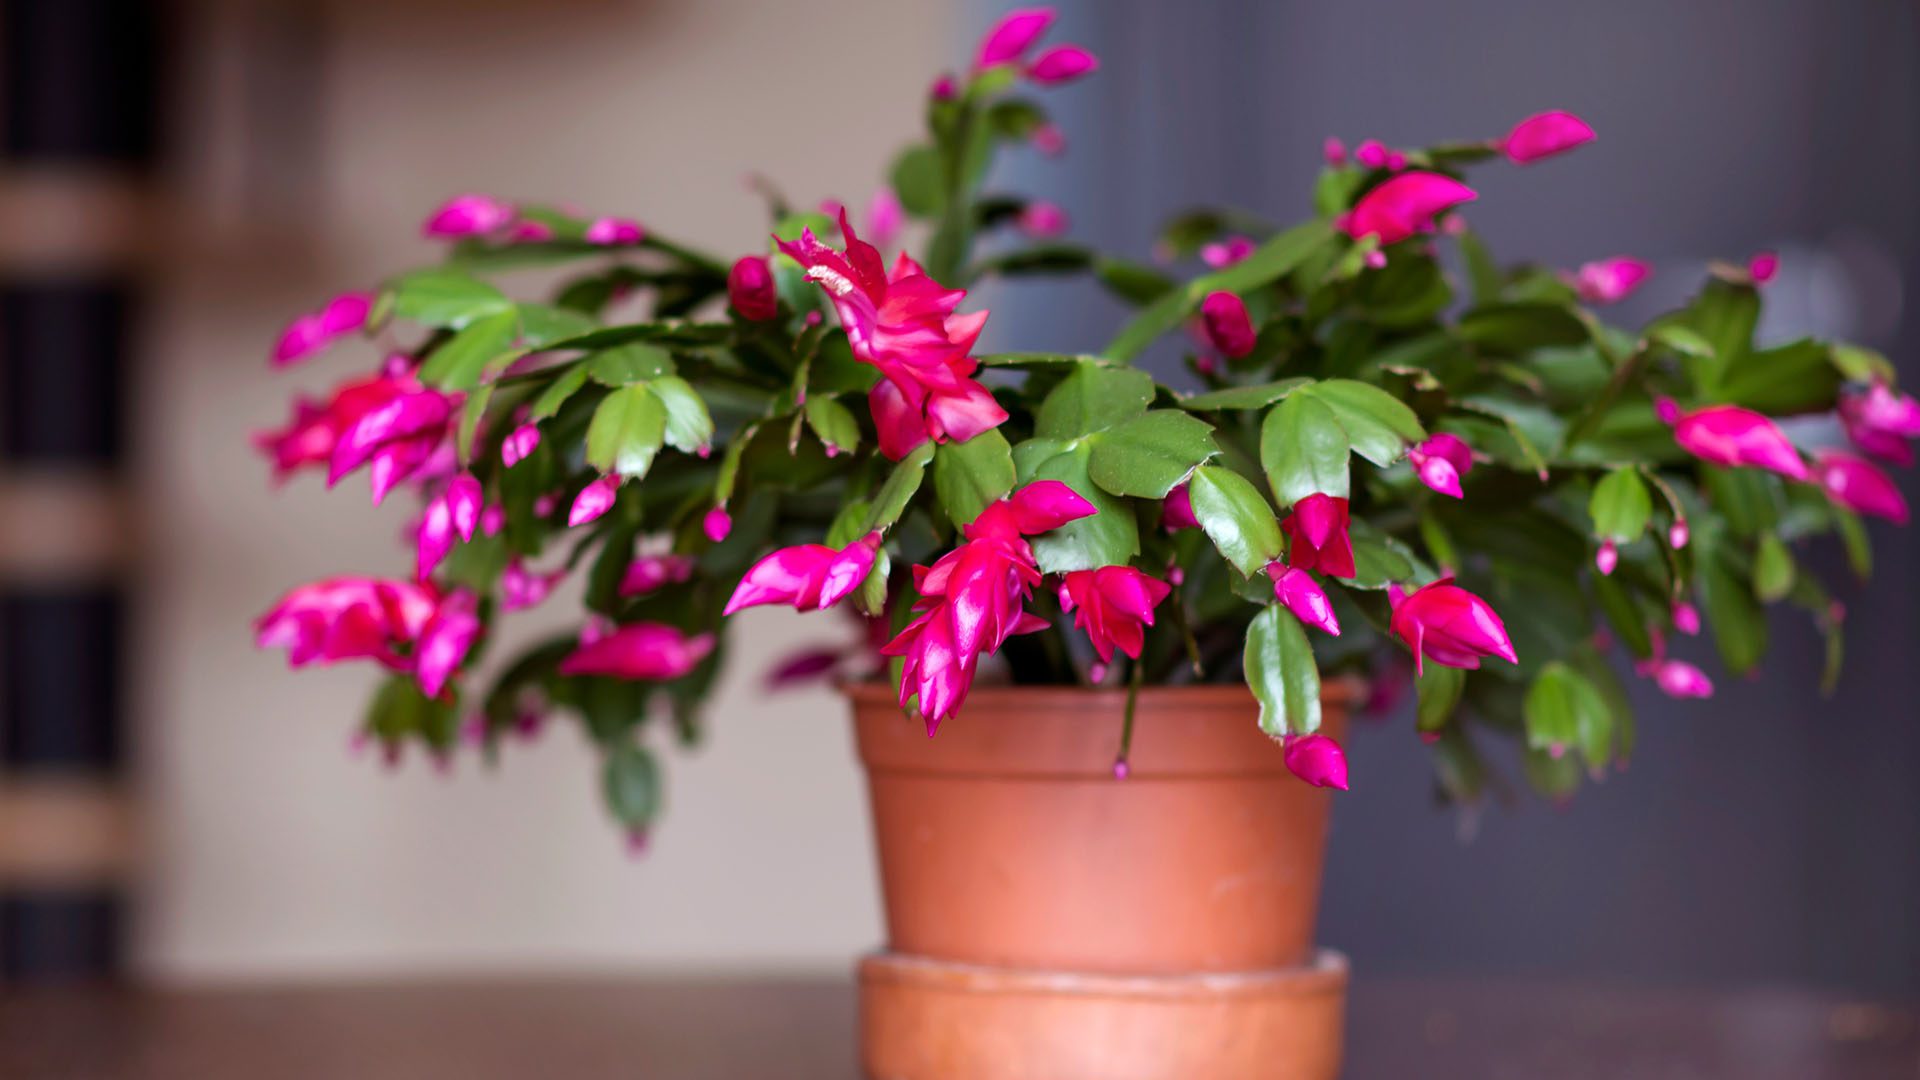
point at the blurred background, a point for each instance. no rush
(178, 179)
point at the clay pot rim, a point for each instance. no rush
(1345, 691)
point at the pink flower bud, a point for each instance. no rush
(1120, 769)
(313, 332)
(593, 501)
(944, 88)
(1545, 135)
(468, 215)
(1609, 281)
(1679, 679)
(1405, 205)
(1228, 327)
(1176, 512)
(1860, 486)
(1763, 266)
(1375, 260)
(1318, 760)
(1678, 534)
(1224, 253)
(1042, 220)
(1049, 140)
(717, 524)
(1062, 64)
(1370, 154)
(750, 289)
(614, 231)
(1011, 37)
(1607, 557)
(1448, 625)
(1880, 420)
(1333, 151)
(1686, 618)
(1303, 596)
(529, 232)
(646, 651)
(809, 577)
(1441, 461)
(521, 442)
(464, 500)
(1731, 435)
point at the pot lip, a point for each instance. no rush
(1345, 691)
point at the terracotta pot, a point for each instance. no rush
(1045, 919)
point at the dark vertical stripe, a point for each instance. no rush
(60, 651)
(63, 350)
(78, 80)
(57, 935)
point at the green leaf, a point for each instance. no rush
(1244, 397)
(1093, 398)
(627, 431)
(1681, 340)
(1796, 377)
(627, 364)
(1108, 537)
(899, 489)
(1281, 673)
(971, 475)
(543, 324)
(447, 299)
(569, 382)
(1853, 536)
(630, 783)
(1620, 506)
(1149, 456)
(832, 423)
(461, 361)
(1379, 425)
(689, 425)
(1303, 449)
(1132, 282)
(1724, 314)
(1270, 261)
(916, 180)
(1563, 709)
(1862, 365)
(1773, 569)
(471, 413)
(1236, 517)
(1518, 328)
(1379, 560)
(1739, 623)
(1624, 615)
(1439, 689)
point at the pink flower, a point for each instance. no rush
(1224, 253)
(521, 588)
(1405, 205)
(1229, 329)
(1441, 461)
(1545, 135)
(643, 650)
(526, 231)
(1448, 625)
(518, 444)
(885, 218)
(1679, 679)
(750, 289)
(1763, 266)
(454, 512)
(1318, 760)
(445, 642)
(1062, 64)
(1686, 618)
(971, 599)
(309, 437)
(614, 231)
(1678, 534)
(1372, 154)
(717, 524)
(1176, 512)
(1607, 557)
(395, 438)
(1303, 596)
(1609, 281)
(1858, 485)
(1042, 220)
(810, 577)
(648, 573)
(1114, 605)
(403, 626)
(468, 215)
(594, 500)
(1317, 536)
(904, 325)
(944, 88)
(313, 332)
(1880, 421)
(1011, 37)
(1333, 151)
(1733, 436)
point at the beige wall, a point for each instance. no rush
(275, 850)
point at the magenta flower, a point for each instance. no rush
(1733, 436)
(453, 512)
(593, 501)
(717, 524)
(1010, 38)
(1176, 512)
(518, 444)
(1679, 679)
(1317, 536)
(1373, 154)
(614, 231)
(1678, 534)
(1441, 461)
(1609, 281)
(1859, 485)
(1224, 253)
(1318, 760)
(1448, 625)
(885, 218)
(904, 324)
(810, 577)
(529, 232)
(1545, 135)
(1880, 421)
(1607, 557)
(1303, 596)
(1333, 151)
(648, 573)
(1228, 327)
(468, 215)
(1763, 266)
(1043, 220)
(395, 438)
(971, 599)
(313, 332)
(1686, 618)
(643, 650)
(310, 436)
(1114, 605)
(944, 88)
(1062, 64)
(445, 642)
(1405, 205)
(521, 588)
(403, 626)
(750, 289)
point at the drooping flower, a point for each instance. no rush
(971, 598)
(521, 588)
(1544, 135)
(614, 232)
(810, 577)
(1609, 281)
(1447, 624)
(904, 324)
(316, 426)
(453, 512)
(1678, 534)
(1114, 605)
(1176, 512)
(395, 438)
(1686, 618)
(1318, 760)
(1317, 536)
(1405, 205)
(1010, 38)
(1733, 436)
(1441, 461)
(1062, 64)
(1223, 253)
(642, 650)
(1303, 596)
(313, 332)
(717, 524)
(445, 641)
(519, 443)
(1679, 679)
(1043, 220)
(404, 626)
(594, 500)
(1763, 266)
(750, 289)
(1859, 485)
(1607, 557)
(1880, 421)
(468, 215)
(1229, 329)
(647, 573)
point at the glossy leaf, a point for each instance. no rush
(899, 488)
(626, 364)
(1304, 450)
(1621, 506)
(1108, 537)
(1439, 690)
(1281, 672)
(1094, 397)
(464, 359)
(1244, 397)
(1380, 426)
(1148, 456)
(445, 298)
(832, 423)
(630, 783)
(627, 431)
(1236, 517)
(968, 476)
(1564, 710)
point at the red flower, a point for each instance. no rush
(1114, 605)
(1228, 328)
(751, 291)
(1317, 536)
(1318, 760)
(1449, 625)
(811, 577)
(1405, 205)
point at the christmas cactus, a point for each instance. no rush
(1385, 455)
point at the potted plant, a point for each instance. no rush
(1134, 611)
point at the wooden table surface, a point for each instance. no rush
(803, 1029)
